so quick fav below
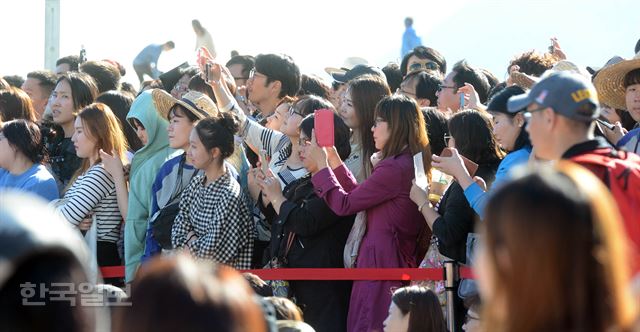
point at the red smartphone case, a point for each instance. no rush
(323, 124)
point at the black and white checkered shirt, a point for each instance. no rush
(220, 219)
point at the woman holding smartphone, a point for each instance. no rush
(508, 129)
(317, 235)
(393, 221)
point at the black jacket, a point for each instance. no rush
(320, 236)
(457, 217)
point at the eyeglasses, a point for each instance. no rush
(528, 113)
(442, 87)
(427, 66)
(446, 139)
(254, 73)
(302, 141)
(292, 111)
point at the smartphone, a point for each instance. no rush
(264, 161)
(461, 101)
(207, 72)
(323, 125)
(606, 124)
(468, 164)
(418, 171)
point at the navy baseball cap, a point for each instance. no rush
(564, 92)
(357, 71)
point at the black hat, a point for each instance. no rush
(170, 78)
(499, 102)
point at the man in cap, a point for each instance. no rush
(560, 112)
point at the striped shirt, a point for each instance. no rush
(94, 193)
(217, 214)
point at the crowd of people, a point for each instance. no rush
(218, 167)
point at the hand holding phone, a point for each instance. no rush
(323, 125)
(468, 164)
(264, 162)
(207, 72)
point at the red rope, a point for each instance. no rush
(330, 274)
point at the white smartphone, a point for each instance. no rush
(418, 169)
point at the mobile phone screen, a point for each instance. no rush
(418, 171)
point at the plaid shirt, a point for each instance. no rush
(220, 219)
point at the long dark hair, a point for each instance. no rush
(83, 88)
(423, 307)
(366, 92)
(473, 133)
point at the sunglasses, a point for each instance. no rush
(427, 66)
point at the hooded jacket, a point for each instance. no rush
(144, 168)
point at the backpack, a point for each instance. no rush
(620, 172)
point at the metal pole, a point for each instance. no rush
(451, 275)
(51, 33)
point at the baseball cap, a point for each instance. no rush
(357, 71)
(564, 92)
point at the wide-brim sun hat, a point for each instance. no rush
(197, 103)
(610, 82)
(348, 63)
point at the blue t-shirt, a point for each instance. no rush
(148, 55)
(36, 179)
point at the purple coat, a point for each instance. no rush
(393, 225)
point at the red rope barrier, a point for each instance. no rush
(330, 274)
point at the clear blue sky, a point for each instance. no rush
(488, 33)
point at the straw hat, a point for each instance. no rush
(610, 82)
(199, 104)
(523, 80)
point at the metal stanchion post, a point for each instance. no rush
(451, 275)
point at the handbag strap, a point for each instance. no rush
(290, 239)
(177, 189)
